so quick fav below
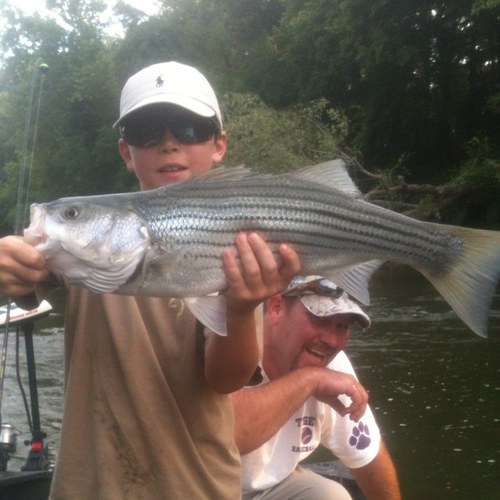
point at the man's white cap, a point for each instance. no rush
(323, 297)
(169, 83)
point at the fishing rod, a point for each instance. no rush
(7, 435)
(24, 181)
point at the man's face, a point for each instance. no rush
(174, 153)
(294, 337)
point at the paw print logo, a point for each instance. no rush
(360, 437)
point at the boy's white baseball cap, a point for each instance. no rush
(170, 83)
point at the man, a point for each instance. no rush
(309, 395)
(146, 413)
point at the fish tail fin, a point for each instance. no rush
(469, 285)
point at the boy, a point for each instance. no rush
(146, 412)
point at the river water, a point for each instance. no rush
(434, 386)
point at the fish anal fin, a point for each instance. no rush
(210, 310)
(354, 279)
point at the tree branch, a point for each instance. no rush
(423, 201)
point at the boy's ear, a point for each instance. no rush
(220, 148)
(125, 154)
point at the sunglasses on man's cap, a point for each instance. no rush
(321, 286)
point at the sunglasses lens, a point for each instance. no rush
(142, 134)
(147, 133)
(321, 287)
(193, 132)
(328, 289)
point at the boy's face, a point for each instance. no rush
(163, 147)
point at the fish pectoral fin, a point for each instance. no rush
(209, 310)
(163, 259)
(354, 279)
(331, 173)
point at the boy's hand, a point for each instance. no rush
(257, 276)
(21, 267)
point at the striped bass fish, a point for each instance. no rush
(169, 241)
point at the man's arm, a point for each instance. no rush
(378, 479)
(261, 411)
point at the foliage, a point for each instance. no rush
(480, 173)
(409, 88)
(413, 77)
(299, 136)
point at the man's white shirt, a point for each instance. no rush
(354, 443)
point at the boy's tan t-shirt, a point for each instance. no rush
(139, 420)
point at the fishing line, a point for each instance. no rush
(42, 69)
(25, 170)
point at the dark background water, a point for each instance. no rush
(435, 389)
(434, 386)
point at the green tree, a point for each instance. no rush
(299, 135)
(415, 78)
(75, 150)
(415, 81)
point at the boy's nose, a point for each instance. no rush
(168, 142)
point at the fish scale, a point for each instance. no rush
(317, 218)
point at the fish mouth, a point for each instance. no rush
(34, 238)
(38, 239)
(34, 234)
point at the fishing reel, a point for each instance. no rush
(38, 457)
(8, 444)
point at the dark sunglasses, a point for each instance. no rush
(321, 286)
(145, 133)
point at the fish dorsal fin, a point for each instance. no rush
(222, 172)
(331, 173)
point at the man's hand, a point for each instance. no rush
(21, 267)
(331, 384)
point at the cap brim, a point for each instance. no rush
(326, 306)
(188, 103)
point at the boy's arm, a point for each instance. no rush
(230, 361)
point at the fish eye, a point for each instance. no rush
(71, 212)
